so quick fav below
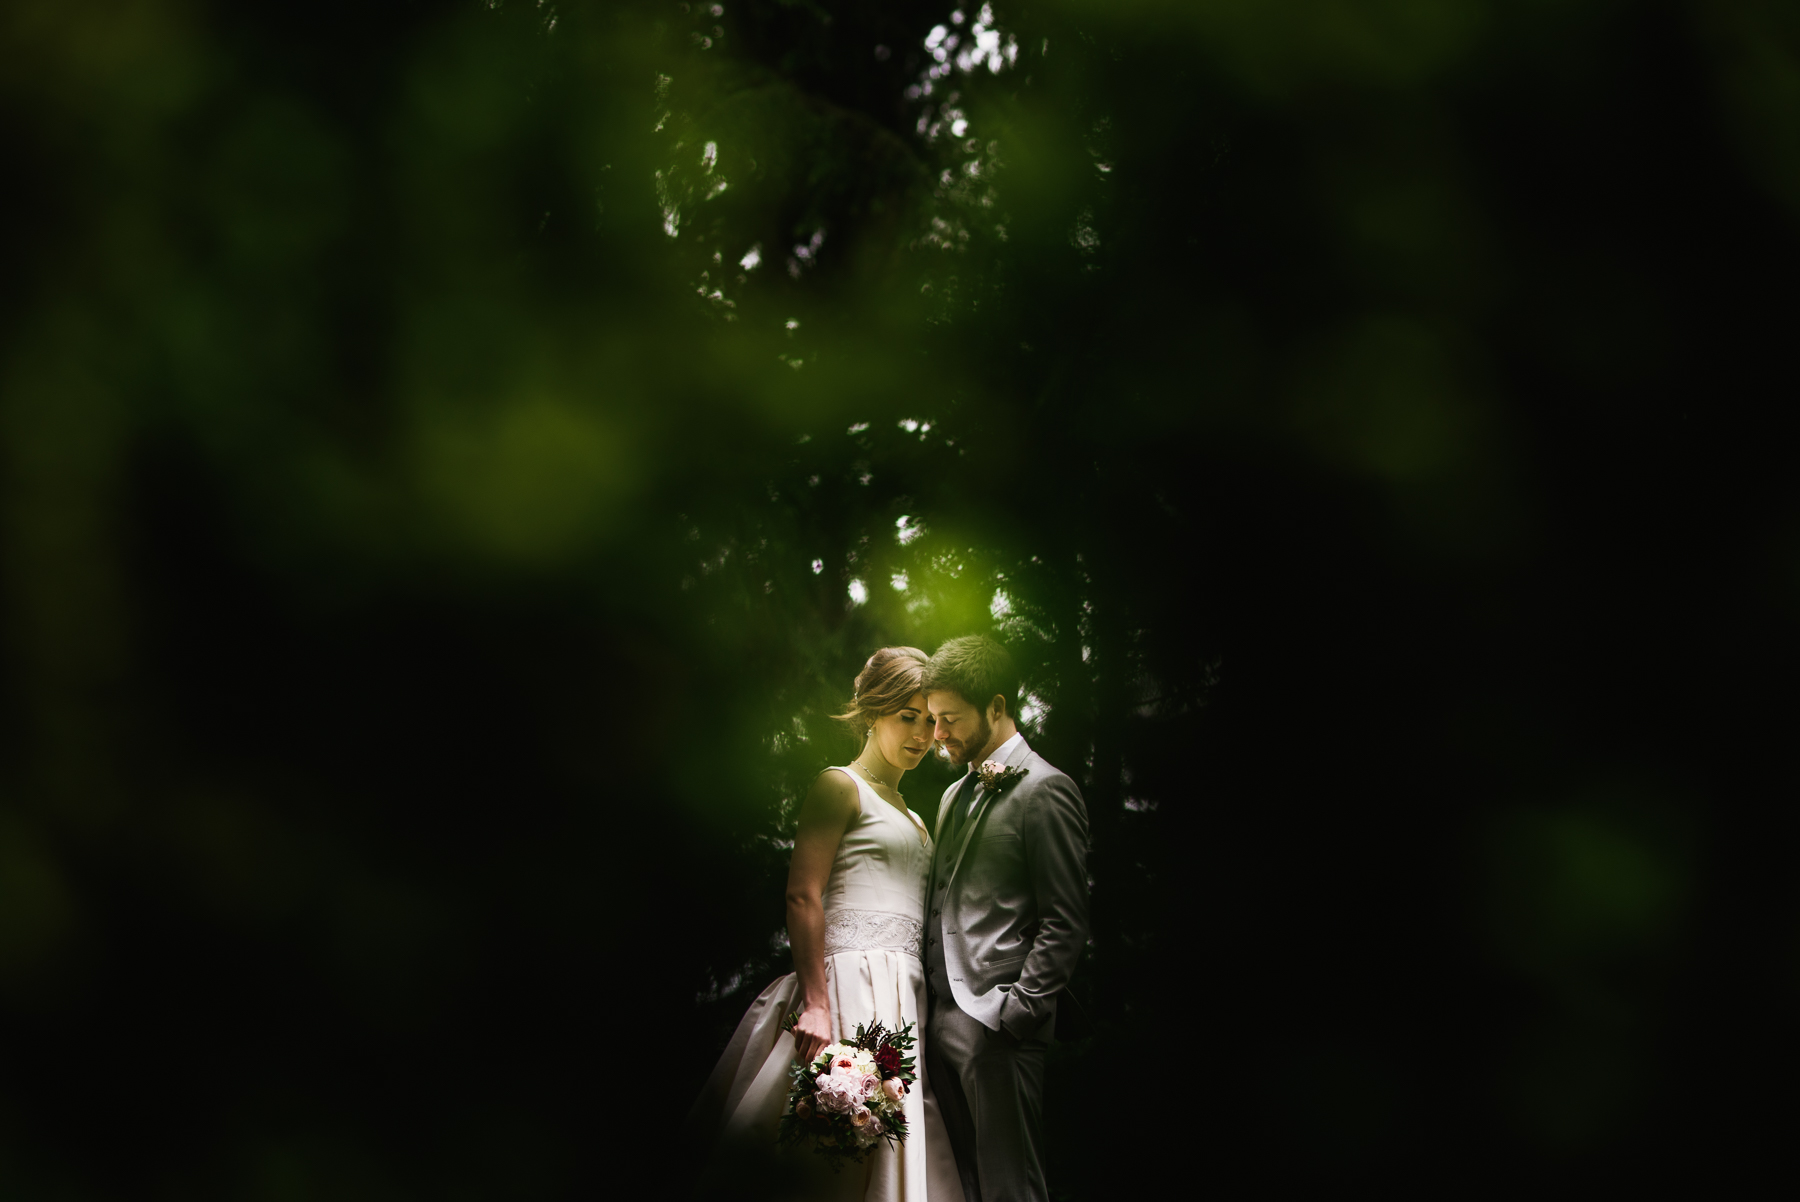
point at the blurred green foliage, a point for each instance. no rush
(1591, 901)
(454, 457)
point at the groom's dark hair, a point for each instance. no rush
(979, 669)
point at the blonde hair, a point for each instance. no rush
(887, 682)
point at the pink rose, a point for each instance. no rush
(869, 1086)
(835, 1095)
(894, 1088)
(861, 1117)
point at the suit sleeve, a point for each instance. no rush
(1056, 847)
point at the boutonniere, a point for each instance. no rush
(995, 776)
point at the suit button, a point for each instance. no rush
(930, 941)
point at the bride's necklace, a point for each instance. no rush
(876, 779)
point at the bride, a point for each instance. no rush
(856, 912)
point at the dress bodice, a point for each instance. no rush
(875, 895)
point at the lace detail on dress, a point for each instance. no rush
(848, 930)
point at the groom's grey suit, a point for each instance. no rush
(1005, 924)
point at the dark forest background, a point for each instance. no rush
(454, 456)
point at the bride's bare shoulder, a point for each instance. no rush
(834, 791)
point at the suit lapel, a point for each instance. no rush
(979, 806)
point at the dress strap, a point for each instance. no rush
(861, 808)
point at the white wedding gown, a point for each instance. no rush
(874, 906)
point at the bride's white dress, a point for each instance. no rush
(874, 906)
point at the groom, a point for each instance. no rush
(1005, 922)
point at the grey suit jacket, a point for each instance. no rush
(1016, 910)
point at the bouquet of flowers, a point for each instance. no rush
(852, 1094)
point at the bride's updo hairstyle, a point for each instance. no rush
(887, 682)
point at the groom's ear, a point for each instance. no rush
(996, 708)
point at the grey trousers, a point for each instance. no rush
(990, 1090)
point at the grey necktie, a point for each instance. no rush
(959, 810)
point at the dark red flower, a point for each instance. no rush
(887, 1059)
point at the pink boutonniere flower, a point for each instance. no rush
(995, 776)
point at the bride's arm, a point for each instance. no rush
(824, 816)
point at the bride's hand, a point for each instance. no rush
(812, 1032)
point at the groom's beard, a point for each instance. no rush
(972, 747)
